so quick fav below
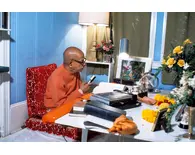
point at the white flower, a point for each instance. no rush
(183, 80)
(179, 92)
(191, 82)
(186, 65)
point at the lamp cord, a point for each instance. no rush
(65, 139)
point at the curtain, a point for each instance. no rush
(102, 33)
(179, 27)
(135, 26)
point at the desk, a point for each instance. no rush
(144, 127)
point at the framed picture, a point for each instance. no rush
(132, 68)
(160, 121)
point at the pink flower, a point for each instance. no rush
(98, 46)
(110, 46)
(104, 47)
(110, 41)
(107, 49)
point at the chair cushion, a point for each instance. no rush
(36, 82)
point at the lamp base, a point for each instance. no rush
(92, 55)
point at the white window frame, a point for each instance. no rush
(5, 86)
(153, 23)
(157, 64)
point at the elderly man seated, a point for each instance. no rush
(65, 84)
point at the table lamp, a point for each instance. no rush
(95, 19)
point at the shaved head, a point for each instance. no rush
(72, 53)
(74, 59)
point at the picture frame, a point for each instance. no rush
(160, 121)
(132, 68)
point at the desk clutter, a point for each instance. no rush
(109, 102)
(108, 106)
(118, 99)
(121, 125)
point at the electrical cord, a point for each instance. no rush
(65, 139)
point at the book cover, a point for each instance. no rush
(103, 111)
(112, 96)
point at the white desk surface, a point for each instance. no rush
(144, 127)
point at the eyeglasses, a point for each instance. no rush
(80, 62)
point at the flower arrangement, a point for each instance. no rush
(106, 47)
(182, 61)
(185, 94)
(180, 58)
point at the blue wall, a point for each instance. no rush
(39, 39)
(157, 49)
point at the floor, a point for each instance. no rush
(27, 135)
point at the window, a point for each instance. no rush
(179, 27)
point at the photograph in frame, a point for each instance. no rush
(133, 68)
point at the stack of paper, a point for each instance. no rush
(78, 110)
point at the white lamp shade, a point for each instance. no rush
(90, 18)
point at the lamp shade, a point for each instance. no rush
(90, 18)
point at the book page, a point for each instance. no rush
(107, 87)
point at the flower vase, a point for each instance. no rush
(191, 124)
(107, 58)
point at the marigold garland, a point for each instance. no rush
(162, 102)
(163, 99)
(149, 115)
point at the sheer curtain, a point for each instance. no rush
(180, 26)
(103, 33)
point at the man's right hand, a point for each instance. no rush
(85, 87)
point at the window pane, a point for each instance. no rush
(179, 27)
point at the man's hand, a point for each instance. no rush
(146, 100)
(85, 87)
